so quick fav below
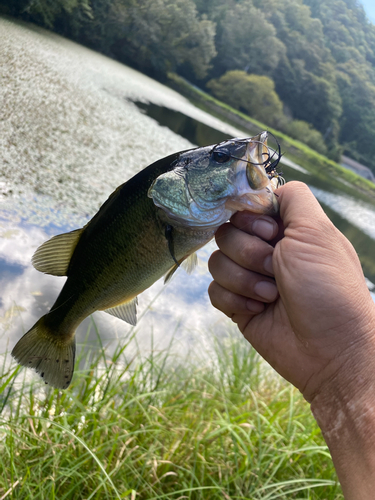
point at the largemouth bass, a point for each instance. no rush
(146, 229)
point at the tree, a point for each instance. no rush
(319, 53)
(301, 34)
(311, 98)
(161, 35)
(304, 132)
(348, 33)
(252, 94)
(247, 41)
(358, 123)
(351, 40)
(48, 11)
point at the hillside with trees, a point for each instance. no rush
(309, 63)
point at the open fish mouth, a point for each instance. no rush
(255, 178)
(208, 185)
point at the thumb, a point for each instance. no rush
(298, 206)
(309, 235)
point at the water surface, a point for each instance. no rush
(73, 126)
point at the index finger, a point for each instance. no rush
(250, 252)
(260, 225)
(265, 227)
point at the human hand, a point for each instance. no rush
(317, 327)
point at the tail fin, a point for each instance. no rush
(50, 355)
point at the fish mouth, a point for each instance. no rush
(253, 185)
(264, 203)
(208, 185)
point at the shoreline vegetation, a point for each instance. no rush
(156, 427)
(304, 67)
(296, 151)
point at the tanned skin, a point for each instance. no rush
(296, 290)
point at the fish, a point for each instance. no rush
(148, 227)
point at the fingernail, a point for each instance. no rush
(266, 290)
(263, 228)
(268, 265)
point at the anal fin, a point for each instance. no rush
(126, 311)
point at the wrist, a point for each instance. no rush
(344, 408)
(347, 357)
(348, 427)
(348, 381)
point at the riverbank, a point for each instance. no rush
(296, 151)
(157, 427)
(70, 133)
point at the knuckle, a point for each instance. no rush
(213, 261)
(211, 291)
(221, 234)
(214, 294)
(245, 254)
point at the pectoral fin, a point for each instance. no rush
(53, 256)
(127, 311)
(169, 238)
(188, 264)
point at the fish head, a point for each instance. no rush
(207, 185)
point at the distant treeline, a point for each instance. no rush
(306, 67)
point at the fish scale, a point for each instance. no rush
(146, 228)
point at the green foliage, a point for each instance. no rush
(350, 37)
(13, 7)
(348, 34)
(303, 132)
(48, 11)
(251, 94)
(313, 161)
(301, 34)
(305, 76)
(358, 123)
(319, 53)
(311, 98)
(162, 35)
(255, 95)
(246, 40)
(157, 427)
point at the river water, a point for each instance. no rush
(73, 126)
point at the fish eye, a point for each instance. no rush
(220, 157)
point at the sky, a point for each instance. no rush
(369, 6)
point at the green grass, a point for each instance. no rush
(162, 427)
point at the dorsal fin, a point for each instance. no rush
(53, 256)
(127, 311)
(188, 264)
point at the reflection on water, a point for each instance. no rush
(193, 130)
(59, 168)
(352, 222)
(26, 294)
(356, 212)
